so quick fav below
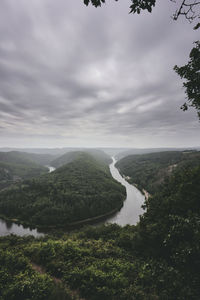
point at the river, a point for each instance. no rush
(8, 227)
(129, 213)
(131, 210)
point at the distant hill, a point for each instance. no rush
(135, 151)
(26, 158)
(118, 152)
(148, 171)
(81, 189)
(52, 151)
(16, 166)
(70, 156)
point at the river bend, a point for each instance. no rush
(129, 213)
(131, 210)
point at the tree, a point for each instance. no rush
(191, 72)
(188, 8)
(136, 6)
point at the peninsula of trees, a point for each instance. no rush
(81, 189)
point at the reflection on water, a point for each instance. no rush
(131, 210)
(7, 227)
(129, 213)
(51, 169)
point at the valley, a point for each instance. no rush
(136, 253)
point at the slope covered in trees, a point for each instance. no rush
(148, 171)
(24, 158)
(81, 189)
(16, 166)
(70, 156)
(157, 259)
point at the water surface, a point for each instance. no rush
(129, 213)
(131, 210)
(8, 227)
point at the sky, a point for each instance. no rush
(77, 76)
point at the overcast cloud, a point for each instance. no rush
(72, 75)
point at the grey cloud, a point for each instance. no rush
(88, 76)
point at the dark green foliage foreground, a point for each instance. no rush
(81, 189)
(18, 280)
(148, 171)
(157, 259)
(136, 7)
(191, 73)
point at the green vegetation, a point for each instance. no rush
(157, 259)
(24, 158)
(18, 280)
(16, 166)
(68, 157)
(190, 72)
(81, 189)
(148, 171)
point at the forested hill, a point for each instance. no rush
(83, 188)
(148, 171)
(24, 158)
(16, 166)
(159, 258)
(99, 155)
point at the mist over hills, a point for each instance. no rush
(99, 155)
(118, 152)
(136, 151)
(148, 171)
(16, 166)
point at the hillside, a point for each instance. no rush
(70, 156)
(157, 259)
(148, 171)
(25, 158)
(84, 188)
(16, 166)
(139, 151)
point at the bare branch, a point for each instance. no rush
(189, 9)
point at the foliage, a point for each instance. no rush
(188, 9)
(24, 158)
(191, 72)
(136, 6)
(157, 259)
(16, 166)
(79, 190)
(19, 281)
(68, 157)
(148, 171)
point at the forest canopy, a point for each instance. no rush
(81, 189)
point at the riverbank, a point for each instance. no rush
(127, 212)
(68, 226)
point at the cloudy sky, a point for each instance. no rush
(72, 75)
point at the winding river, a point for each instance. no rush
(131, 210)
(129, 213)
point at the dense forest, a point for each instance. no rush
(157, 259)
(148, 171)
(81, 189)
(99, 155)
(16, 166)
